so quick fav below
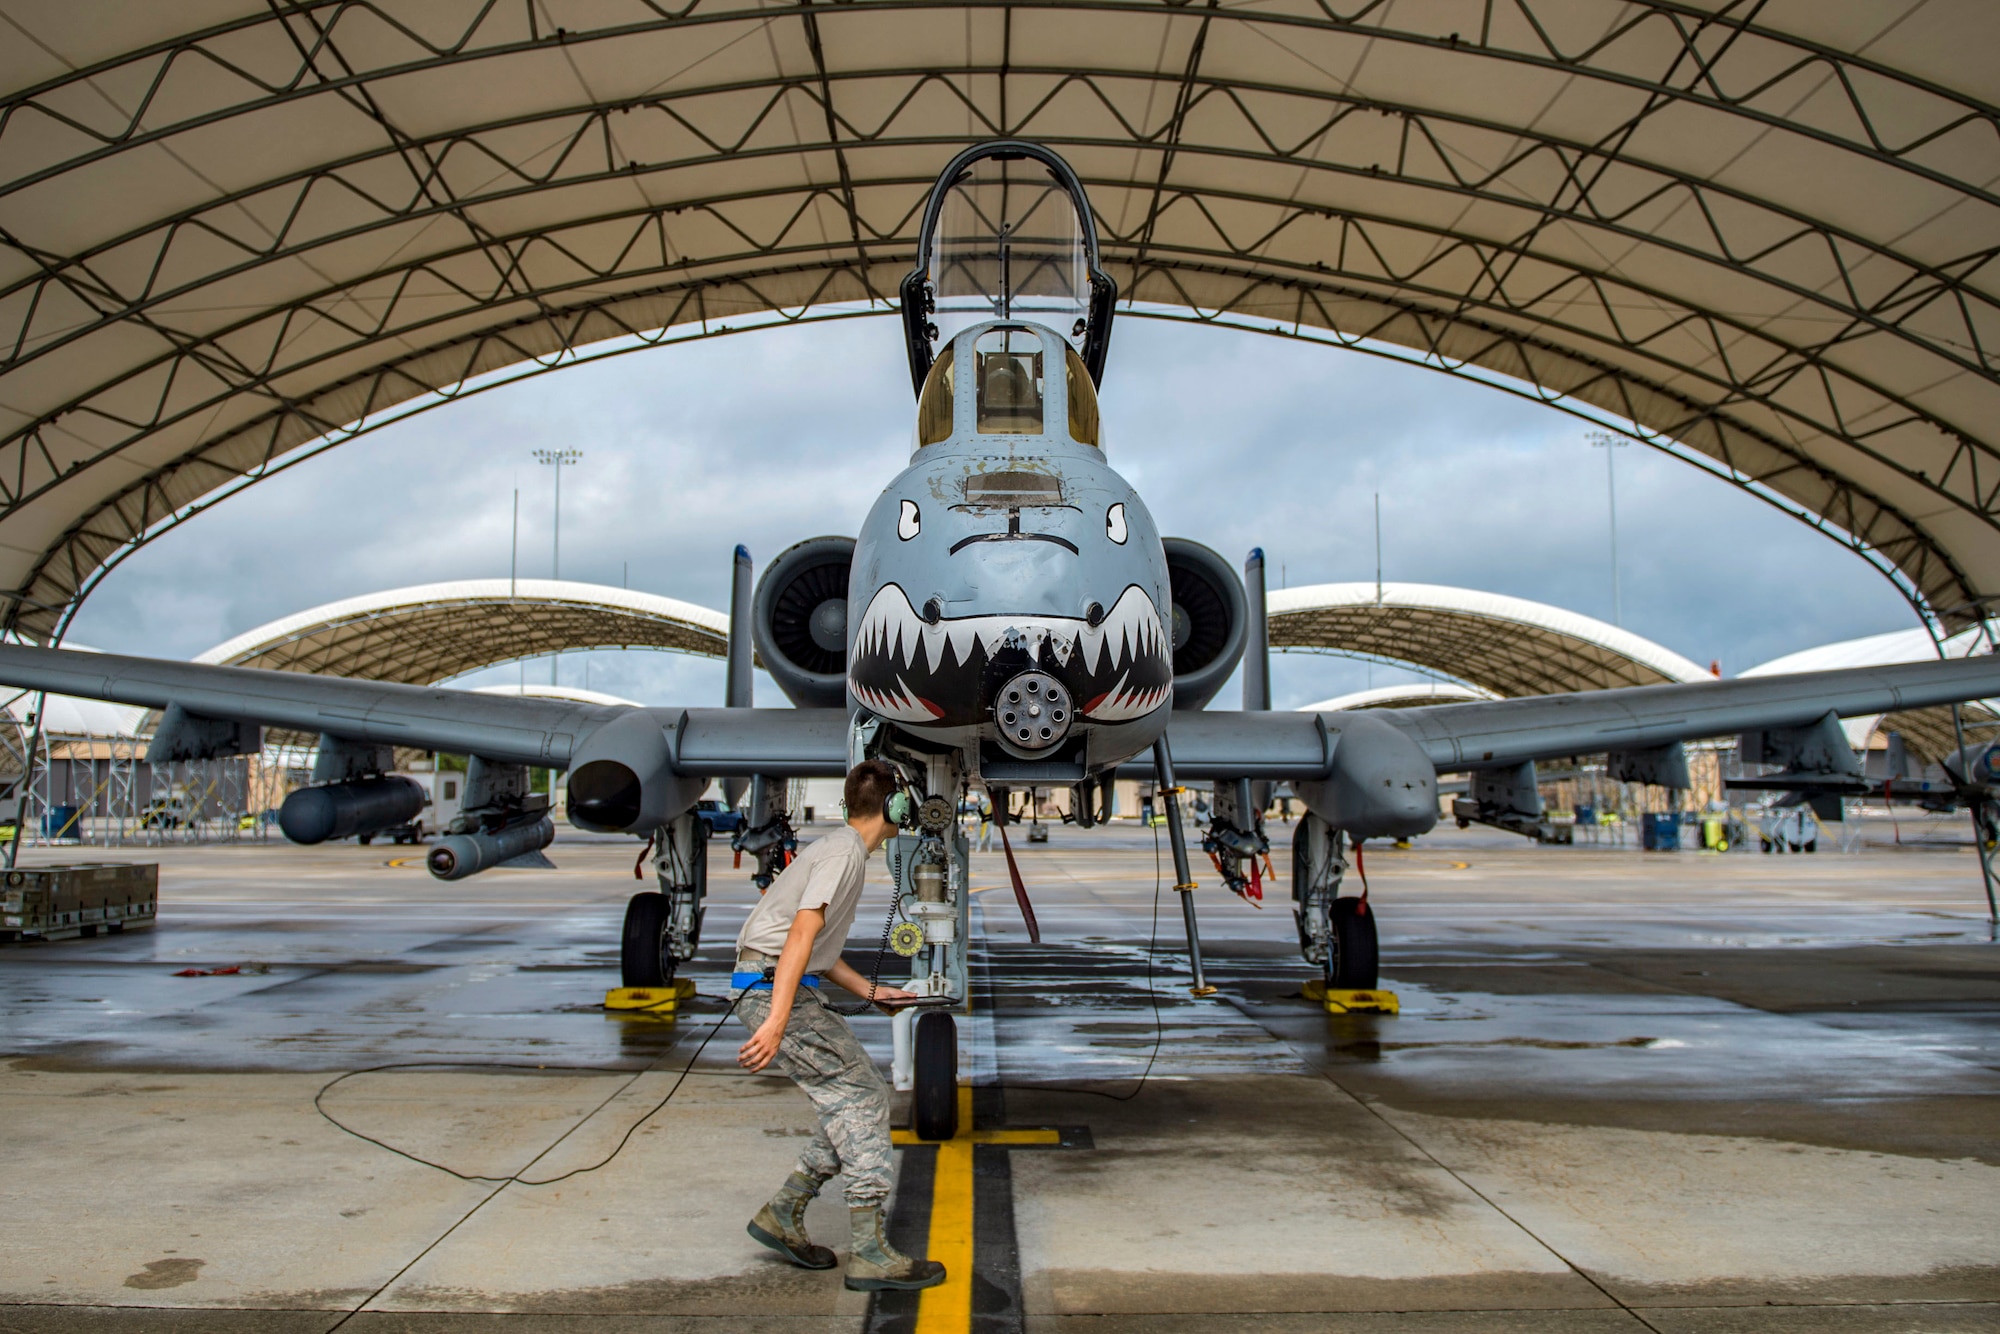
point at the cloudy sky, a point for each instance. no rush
(1235, 440)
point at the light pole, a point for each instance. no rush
(560, 459)
(1610, 443)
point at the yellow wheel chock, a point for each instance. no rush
(652, 1000)
(1339, 1001)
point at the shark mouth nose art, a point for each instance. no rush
(942, 672)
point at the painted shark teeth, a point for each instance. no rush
(891, 631)
(900, 705)
(893, 644)
(1121, 705)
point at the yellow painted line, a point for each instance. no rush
(1018, 1137)
(947, 1308)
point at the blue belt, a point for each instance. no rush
(762, 981)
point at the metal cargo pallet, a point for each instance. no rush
(61, 902)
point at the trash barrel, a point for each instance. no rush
(62, 822)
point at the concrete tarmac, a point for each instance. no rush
(1670, 1092)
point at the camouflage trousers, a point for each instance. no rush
(822, 1056)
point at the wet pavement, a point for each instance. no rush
(1677, 1092)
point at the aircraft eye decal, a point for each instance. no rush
(911, 521)
(1114, 524)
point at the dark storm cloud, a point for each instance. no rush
(1235, 440)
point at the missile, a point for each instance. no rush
(456, 856)
(358, 806)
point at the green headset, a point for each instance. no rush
(900, 808)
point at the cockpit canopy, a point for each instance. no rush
(1008, 234)
(1010, 388)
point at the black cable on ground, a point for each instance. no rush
(517, 1178)
(1152, 993)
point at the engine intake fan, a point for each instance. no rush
(1210, 620)
(799, 621)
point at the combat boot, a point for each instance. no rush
(874, 1265)
(781, 1224)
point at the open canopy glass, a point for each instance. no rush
(1008, 235)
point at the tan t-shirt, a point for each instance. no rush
(827, 875)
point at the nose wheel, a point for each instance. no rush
(934, 1100)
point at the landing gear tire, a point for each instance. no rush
(1352, 954)
(644, 959)
(934, 1101)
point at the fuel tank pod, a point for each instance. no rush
(1380, 784)
(342, 810)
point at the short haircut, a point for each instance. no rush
(869, 784)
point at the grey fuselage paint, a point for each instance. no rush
(993, 554)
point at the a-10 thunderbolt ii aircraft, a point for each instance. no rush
(1009, 616)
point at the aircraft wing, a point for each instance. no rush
(511, 729)
(813, 742)
(1506, 732)
(1502, 733)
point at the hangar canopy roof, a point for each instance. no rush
(1414, 695)
(1762, 233)
(1508, 646)
(435, 632)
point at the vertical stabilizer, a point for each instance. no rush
(737, 686)
(1257, 639)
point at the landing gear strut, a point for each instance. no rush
(931, 868)
(663, 928)
(1336, 933)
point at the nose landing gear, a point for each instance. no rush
(931, 868)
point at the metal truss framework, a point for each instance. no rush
(436, 632)
(1504, 647)
(1749, 233)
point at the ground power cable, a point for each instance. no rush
(1152, 994)
(519, 1178)
(500, 1184)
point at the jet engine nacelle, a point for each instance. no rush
(342, 810)
(622, 778)
(1210, 620)
(799, 621)
(1380, 785)
(456, 856)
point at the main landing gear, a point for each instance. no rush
(1336, 933)
(663, 928)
